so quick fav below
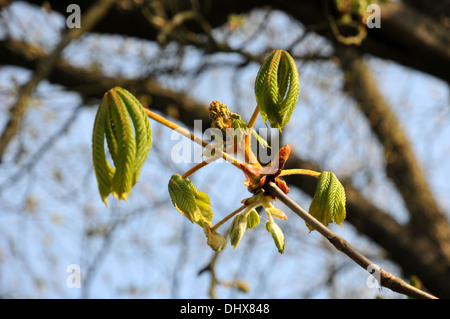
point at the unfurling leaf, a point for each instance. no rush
(271, 210)
(277, 88)
(120, 119)
(277, 234)
(182, 197)
(328, 204)
(215, 240)
(190, 202)
(238, 228)
(252, 219)
(275, 212)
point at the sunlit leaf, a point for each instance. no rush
(103, 171)
(277, 88)
(238, 228)
(275, 212)
(204, 213)
(215, 240)
(252, 219)
(190, 202)
(126, 147)
(277, 235)
(122, 121)
(182, 197)
(328, 204)
(142, 129)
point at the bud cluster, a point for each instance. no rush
(221, 116)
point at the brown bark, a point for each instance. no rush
(416, 253)
(407, 35)
(43, 68)
(420, 248)
(427, 220)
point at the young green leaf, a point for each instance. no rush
(182, 197)
(328, 204)
(275, 212)
(277, 88)
(215, 240)
(142, 129)
(271, 210)
(190, 202)
(120, 119)
(252, 219)
(126, 147)
(204, 213)
(103, 171)
(277, 234)
(238, 228)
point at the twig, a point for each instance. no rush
(299, 171)
(228, 217)
(192, 137)
(386, 279)
(210, 268)
(37, 155)
(201, 165)
(249, 155)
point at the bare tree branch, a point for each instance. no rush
(426, 218)
(423, 246)
(44, 68)
(386, 279)
(414, 254)
(428, 38)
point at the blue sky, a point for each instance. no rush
(51, 215)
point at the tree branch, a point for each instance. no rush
(44, 68)
(414, 255)
(386, 279)
(427, 221)
(429, 38)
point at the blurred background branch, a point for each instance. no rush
(178, 56)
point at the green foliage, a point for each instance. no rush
(215, 240)
(275, 212)
(277, 234)
(252, 219)
(241, 222)
(328, 204)
(120, 119)
(123, 122)
(238, 228)
(277, 88)
(190, 202)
